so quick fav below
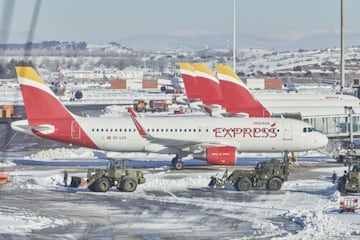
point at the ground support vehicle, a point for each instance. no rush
(348, 204)
(158, 106)
(7, 114)
(270, 174)
(140, 105)
(117, 175)
(350, 181)
(349, 152)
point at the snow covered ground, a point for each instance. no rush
(172, 205)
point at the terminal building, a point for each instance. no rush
(334, 115)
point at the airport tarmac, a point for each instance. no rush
(191, 213)
(171, 205)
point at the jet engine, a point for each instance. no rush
(224, 155)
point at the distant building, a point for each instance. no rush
(264, 83)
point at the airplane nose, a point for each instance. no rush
(321, 141)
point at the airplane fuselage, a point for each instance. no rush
(246, 134)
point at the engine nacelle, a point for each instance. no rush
(218, 155)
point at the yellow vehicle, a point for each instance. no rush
(140, 105)
(7, 113)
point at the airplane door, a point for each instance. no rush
(75, 130)
(288, 135)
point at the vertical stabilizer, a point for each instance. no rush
(40, 101)
(190, 83)
(208, 85)
(46, 115)
(237, 97)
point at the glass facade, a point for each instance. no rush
(335, 125)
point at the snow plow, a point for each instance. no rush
(115, 175)
(350, 181)
(269, 174)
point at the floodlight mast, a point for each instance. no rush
(342, 70)
(234, 38)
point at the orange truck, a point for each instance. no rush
(7, 114)
(154, 105)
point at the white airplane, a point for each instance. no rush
(238, 99)
(300, 105)
(215, 140)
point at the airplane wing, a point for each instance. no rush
(179, 143)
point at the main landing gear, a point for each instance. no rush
(177, 163)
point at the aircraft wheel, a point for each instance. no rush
(274, 184)
(102, 184)
(177, 164)
(128, 184)
(243, 184)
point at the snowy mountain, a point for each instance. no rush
(283, 43)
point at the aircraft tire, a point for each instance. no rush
(274, 184)
(129, 184)
(177, 164)
(102, 184)
(243, 184)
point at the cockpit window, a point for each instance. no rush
(309, 129)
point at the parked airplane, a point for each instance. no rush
(201, 98)
(226, 90)
(237, 98)
(290, 105)
(215, 140)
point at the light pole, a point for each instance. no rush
(234, 38)
(342, 70)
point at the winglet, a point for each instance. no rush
(138, 126)
(132, 112)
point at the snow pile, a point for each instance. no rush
(163, 181)
(6, 163)
(62, 153)
(14, 220)
(37, 180)
(318, 214)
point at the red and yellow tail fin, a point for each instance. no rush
(190, 83)
(237, 97)
(47, 117)
(41, 104)
(208, 84)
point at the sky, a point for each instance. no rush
(113, 20)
